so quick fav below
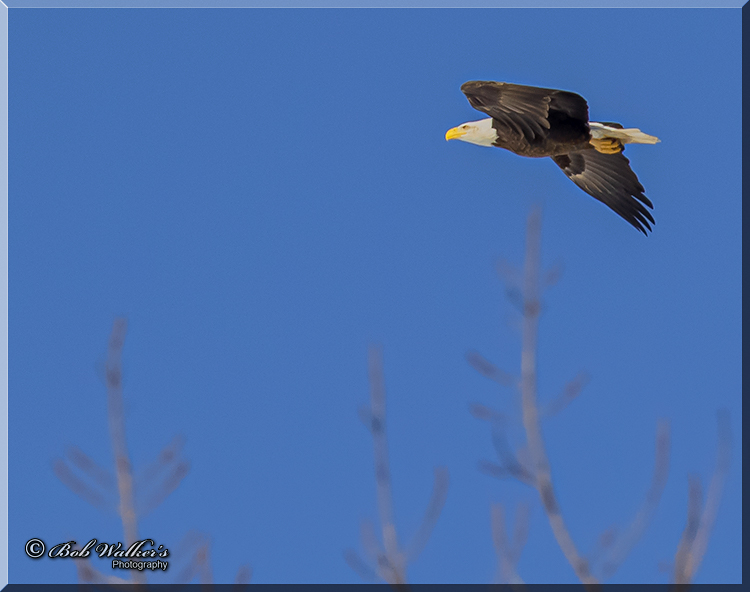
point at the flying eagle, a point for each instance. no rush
(537, 122)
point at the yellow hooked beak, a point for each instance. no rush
(454, 133)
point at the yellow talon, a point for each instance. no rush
(607, 145)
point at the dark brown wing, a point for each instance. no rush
(526, 109)
(609, 178)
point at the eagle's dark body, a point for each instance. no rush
(540, 122)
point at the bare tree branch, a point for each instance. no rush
(390, 561)
(552, 275)
(89, 575)
(484, 413)
(203, 559)
(431, 515)
(507, 556)
(82, 489)
(102, 477)
(715, 490)
(531, 464)
(503, 472)
(695, 497)
(382, 467)
(520, 530)
(243, 577)
(694, 540)
(161, 477)
(358, 565)
(541, 467)
(369, 541)
(191, 554)
(569, 394)
(488, 369)
(510, 462)
(623, 545)
(116, 416)
(154, 484)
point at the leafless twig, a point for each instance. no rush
(243, 577)
(391, 560)
(488, 369)
(622, 545)
(529, 407)
(98, 487)
(508, 554)
(569, 394)
(697, 531)
(363, 570)
(89, 575)
(511, 464)
(95, 485)
(161, 477)
(395, 563)
(431, 515)
(531, 465)
(487, 414)
(116, 415)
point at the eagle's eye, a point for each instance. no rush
(464, 127)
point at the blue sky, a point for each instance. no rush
(263, 193)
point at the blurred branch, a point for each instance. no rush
(203, 559)
(395, 563)
(622, 545)
(161, 477)
(243, 577)
(193, 551)
(89, 575)
(116, 415)
(431, 515)
(102, 477)
(695, 495)
(521, 530)
(98, 487)
(529, 408)
(192, 560)
(530, 465)
(488, 369)
(390, 560)
(509, 554)
(511, 466)
(698, 528)
(552, 275)
(569, 394)
(363, 570)
(370, 541)
(495, 470)
(485, 413)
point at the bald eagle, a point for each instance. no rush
(538, 122)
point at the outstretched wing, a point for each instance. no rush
(609, 178)
(526, 109)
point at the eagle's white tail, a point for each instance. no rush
(631, 135)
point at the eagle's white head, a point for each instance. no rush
(476, 132)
